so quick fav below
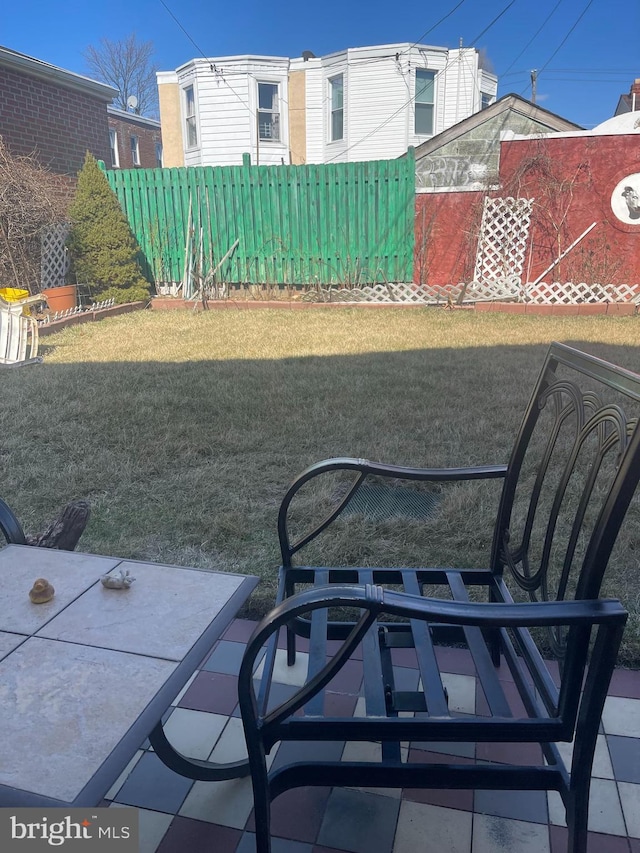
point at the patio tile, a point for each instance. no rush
(213, 692)
(188, 834)
(364, 751)
(462, 692)
(226, 658)
(450, 799)
(605, 812)
(630, 799)
(431, 829)
(597, 842)
(509, 753)
(240, 630)
(339, 704)
(500, 835)
(455, 660)
(151, 785)
(602, 767)
(231, 745)
(621, 716)
(297, 814)
(152, 827)
(348, 679)
(226, 803)
(288, 752)
(278, 845)
(113, 790)
(625, 682)
(194, 733)
(625, 758)
(529, 806)
(295, 675)
(176, 701)
(359, 822)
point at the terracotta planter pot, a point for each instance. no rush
(61, 298)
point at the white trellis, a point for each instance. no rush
(503, 242)
(542, 293)
(54, 260)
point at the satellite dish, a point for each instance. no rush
(132, 102)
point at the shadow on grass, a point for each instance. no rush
(187, 462)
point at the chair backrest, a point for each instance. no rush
(572, 474)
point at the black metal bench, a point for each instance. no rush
(571, 477)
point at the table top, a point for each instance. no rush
(86, 676)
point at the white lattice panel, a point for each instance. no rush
(570, 293)
(503, 239)
(480, 291)
(54, 259)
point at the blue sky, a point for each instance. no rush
(587, 51)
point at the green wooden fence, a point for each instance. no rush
(349, 223)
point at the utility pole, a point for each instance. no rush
(534, 82)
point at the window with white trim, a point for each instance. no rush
(190, 117)
(113, 144)
(135, 150)
(486, 100)
(424, 101)
(336, 86)
(159, 155)
(268, 112)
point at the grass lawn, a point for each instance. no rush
(184, 429)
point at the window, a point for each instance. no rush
(268, 112)
(113, 144)
(486, 100)
(135, 150)
(190, 114)
(424, 101)
(337, 108)
(159, 155)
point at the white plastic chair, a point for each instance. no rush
(18, 333)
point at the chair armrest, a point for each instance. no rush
(479, 614)
(365, 468)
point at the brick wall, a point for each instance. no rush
(57, 124)
(147, 138)
(572, 180)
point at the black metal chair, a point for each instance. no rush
(571, 477)
(10, 527)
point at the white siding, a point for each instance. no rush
(226, 104)
(379, 102)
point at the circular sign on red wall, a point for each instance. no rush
(625, 201)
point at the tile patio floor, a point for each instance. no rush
(181, 816)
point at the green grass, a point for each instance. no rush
(184, 429)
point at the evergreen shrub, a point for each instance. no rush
(104, 253)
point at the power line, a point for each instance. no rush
(564, 40)
(431, 29)
(412, 99)
(533, 37)
(578, 19)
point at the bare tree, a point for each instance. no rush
(127, 65)
(31, 199)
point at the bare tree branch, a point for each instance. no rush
(128, 66)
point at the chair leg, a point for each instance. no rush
(291, 646)
(261, 796)
(577, 817)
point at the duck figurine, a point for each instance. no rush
(41, 591)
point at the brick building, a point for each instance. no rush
(135, 141)
(52, 113)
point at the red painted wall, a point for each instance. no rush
(571, 180)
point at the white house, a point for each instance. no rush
(364, 103)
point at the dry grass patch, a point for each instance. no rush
(184, 429)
